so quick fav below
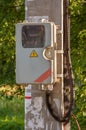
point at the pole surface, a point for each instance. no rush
(37, 116)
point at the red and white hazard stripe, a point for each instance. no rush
(43, 76)
(28, 92)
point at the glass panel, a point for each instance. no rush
(33, 36)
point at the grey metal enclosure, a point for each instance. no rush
(32, 65)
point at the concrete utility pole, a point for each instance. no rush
(37, 116)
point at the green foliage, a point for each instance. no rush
(11, 125)
(11, 12)
(12, 114)
(78, 55)
(11, 98)
(9, 92)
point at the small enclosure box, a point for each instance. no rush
(32, 65)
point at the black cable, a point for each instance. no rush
(55, 116)
(67, 115)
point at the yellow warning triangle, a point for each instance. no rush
(33, 54)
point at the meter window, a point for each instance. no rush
(33, 36)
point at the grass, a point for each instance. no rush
(11, 112)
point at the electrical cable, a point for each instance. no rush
(55, 116)
(74, 117)
(67, 115)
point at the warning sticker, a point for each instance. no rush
(33, 54)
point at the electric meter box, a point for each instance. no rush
(32, 39)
